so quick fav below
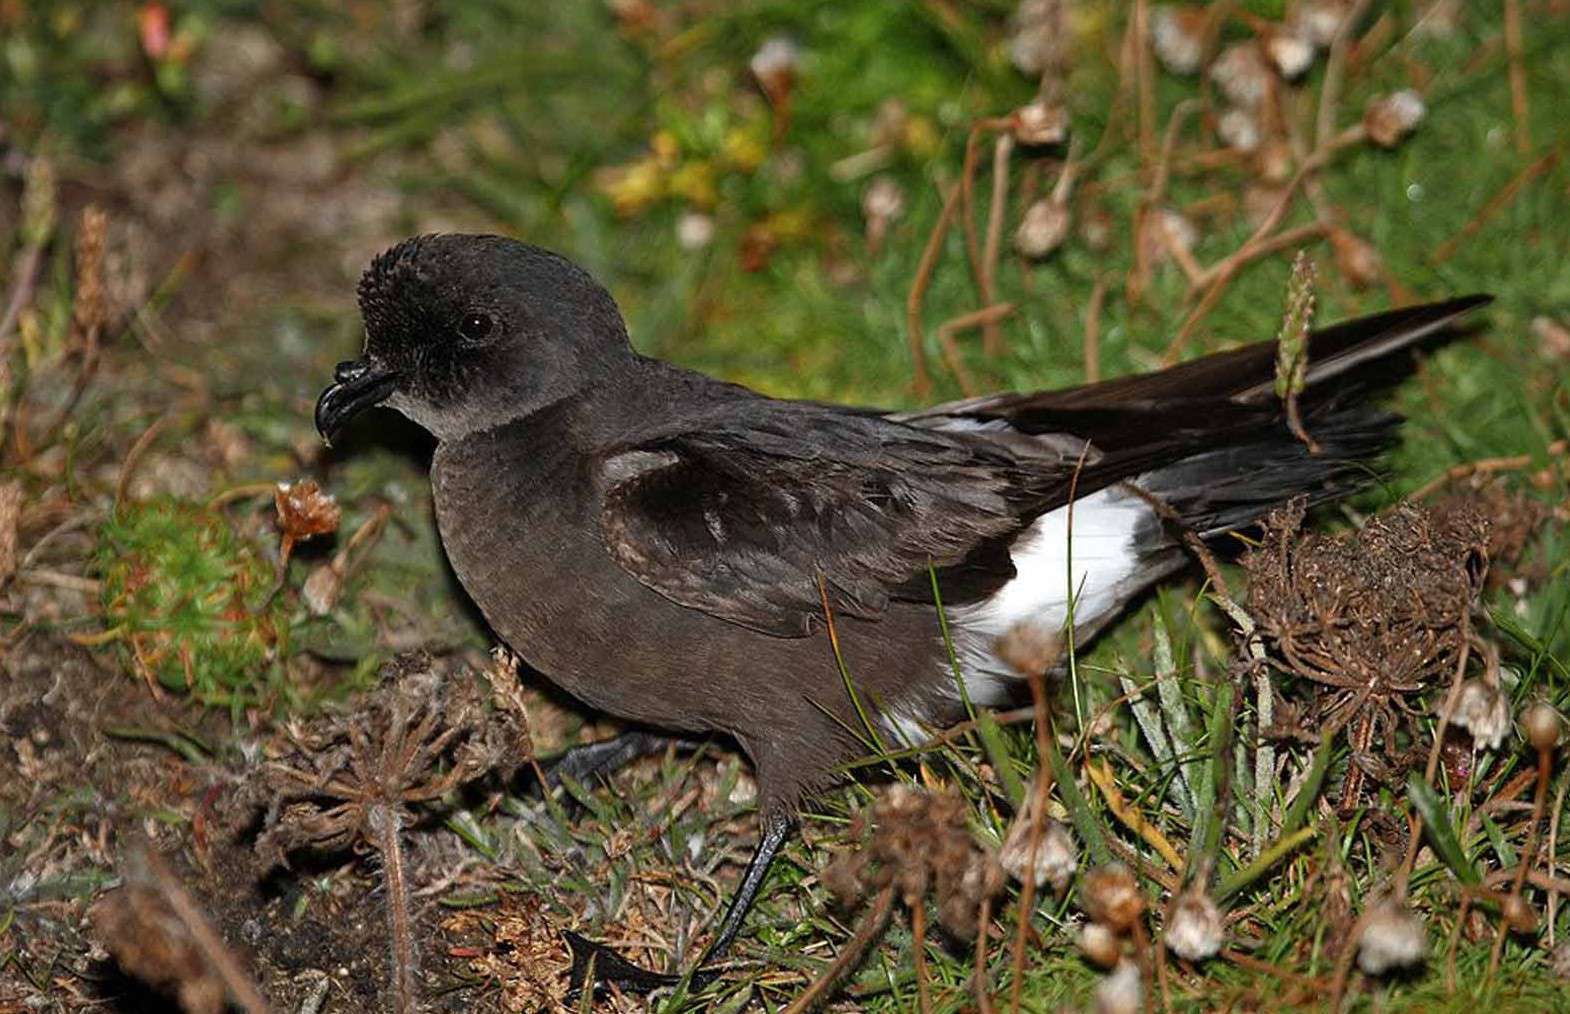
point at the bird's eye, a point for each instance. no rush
(475, 326)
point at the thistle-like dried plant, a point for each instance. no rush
(361, 776)
(1373, 617)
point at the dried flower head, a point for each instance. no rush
(1038, 45)
(1481, 709)
(881, 205)
(1177, 35)
(1195, 932)
(775, 65)
(1542, 725)
(1043, 229)
(1356, 259)
(694, 230)
(1388, 120)
(1121, 991)
(1101, 946)
(1040, 123)
(1553, 338)
(421, 734)
(918, 841)
(1374, 615)
(1238, 130)
(304, 512)
(1318, 21)
(1053, 860)
(1111, 895)
(1292, 54)
(1242, 75)
(1393, 938)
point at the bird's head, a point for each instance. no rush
(463, 333)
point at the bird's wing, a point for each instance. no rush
(743, 518)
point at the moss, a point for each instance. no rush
(190, 601)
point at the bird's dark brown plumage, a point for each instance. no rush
(661, 544)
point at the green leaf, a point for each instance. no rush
(1441, 830)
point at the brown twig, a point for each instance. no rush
(1495, 205)
(1485, 466)
(1041, 789)
(1092, 343)
(1335, 68)
(1446, 710)
(868, 930)
(205, 937)
(951, 354)
(1518, 107)
(979, 976)
(383, 820)
(922, 381)
(918, 933)
(133, 457)
(1545, 765)
(992, 335)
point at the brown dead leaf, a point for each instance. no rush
(304, 512)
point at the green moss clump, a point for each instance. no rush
(189, 601)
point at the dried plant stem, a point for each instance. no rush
(1432, 768)
(384, 822)
(918, 933)
(1518, 106)
(979, 976)
(1335, 70)
(951, 355)
(1553, 850)
(1041, 789)
(1146, 71)
(1495, 205)
(1092, 343)
(1545, 766)
(867, 931)
(992, 335)
(1487, 466)
(241, 989)
(922, 381)
(134, 456)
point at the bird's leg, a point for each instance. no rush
(586, 761)
(610, 967)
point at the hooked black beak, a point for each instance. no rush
(359, 385)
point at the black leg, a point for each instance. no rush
(590, 760)
(612, 968)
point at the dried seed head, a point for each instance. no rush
(694, 231)
(1553, 338)
(1541, 724)
(322, 588)
(1393, 937)
(1519, 915)
(1100, 945)
(1242, 75)
(881, 203)
(1121, 991)
(1038, 45)
(1177, 34)
(1482, 710)
(1040, 123)
(304, 511)
(1194, 933)
(1110, 895)
(1356, 259)
(774, 65)
(1054, 860)
(1319, 20)
(1390, 119)
(1238, 130)
(1291, 54)
(1043, 229)
(1274, 162)
(1029, 648)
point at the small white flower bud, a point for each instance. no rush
(1393, 937)
(1195, 932)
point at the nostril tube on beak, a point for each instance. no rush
(350, 370)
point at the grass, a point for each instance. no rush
(601, 134)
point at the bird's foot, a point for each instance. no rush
(588, 761)
(610, 968)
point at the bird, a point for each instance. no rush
(675, 550)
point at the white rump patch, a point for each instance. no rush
(1104, 560)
